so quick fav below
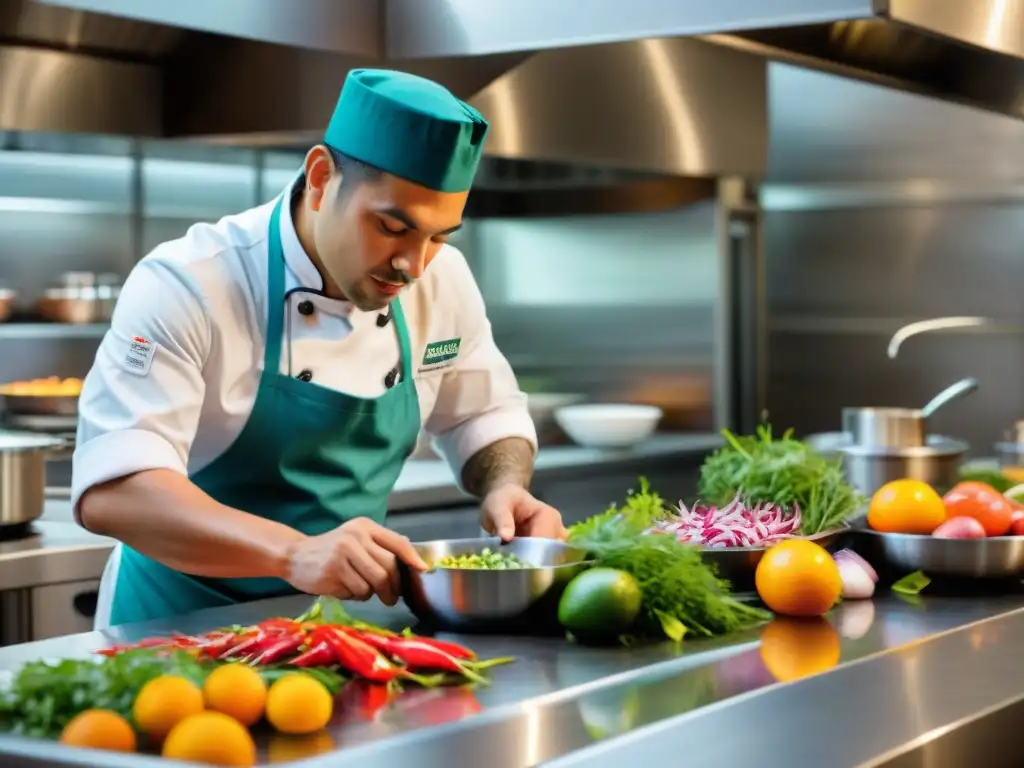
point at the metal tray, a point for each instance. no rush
(998, 557)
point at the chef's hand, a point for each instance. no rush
(356, 560)
(509, 511)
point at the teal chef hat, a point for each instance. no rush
(408, 126)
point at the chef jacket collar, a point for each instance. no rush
(302, 267)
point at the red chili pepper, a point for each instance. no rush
(281, 626)
(361, 658)
(152, 642)
(319, 655)
(452, 649)
(418, 655)
(113, 650)
(280, 647)
(246, 645)
(215, 646)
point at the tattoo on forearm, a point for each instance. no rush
(506, 461)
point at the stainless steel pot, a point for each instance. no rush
(900, 427)
(938, 463)
(23, 458)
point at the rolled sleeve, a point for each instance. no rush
(132, 420)
(479, 401)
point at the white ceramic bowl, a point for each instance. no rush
(600, 425)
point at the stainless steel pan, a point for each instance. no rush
(34, 405)
(992, 558)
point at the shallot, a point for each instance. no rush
(734, 525)
(960, 528)
(857, 575)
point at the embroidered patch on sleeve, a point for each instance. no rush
(137, 356)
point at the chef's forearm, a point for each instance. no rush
(164, 516)
(508, 461)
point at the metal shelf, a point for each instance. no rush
(51, 331)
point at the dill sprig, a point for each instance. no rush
(783, 471)
(681, 593)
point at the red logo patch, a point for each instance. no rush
(140, 340)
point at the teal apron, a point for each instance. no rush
(308, 457)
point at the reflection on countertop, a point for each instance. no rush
(559, 697)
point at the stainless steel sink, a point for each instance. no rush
(990, 739)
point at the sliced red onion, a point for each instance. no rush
(733, 525)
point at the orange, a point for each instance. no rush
(796, 648)
(99, 729)
(212, 738)
(298, 705)
(165, 701)
(236, 690)
(291, 749)
(906, 506)
(798, 578)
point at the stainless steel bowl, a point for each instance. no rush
(482, 600)
(737, 565)
(993, 558)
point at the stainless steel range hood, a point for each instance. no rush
(591, 82)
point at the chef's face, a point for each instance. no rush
(375, 234)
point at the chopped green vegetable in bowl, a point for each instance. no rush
(486, 560)
(783, 471)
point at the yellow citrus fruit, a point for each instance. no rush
(906, 506)
(236, 690)
(165, 701)
(212, 738)
(798, 578)
(291, 749)
(297, 704)
(796, 648)
(99, 729)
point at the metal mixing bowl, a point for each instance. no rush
(483, 600)
(737, 565)
(993, 558)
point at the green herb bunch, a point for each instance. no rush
(44, 696)
(784, 471)
(681, 593)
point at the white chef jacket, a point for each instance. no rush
(201, 303)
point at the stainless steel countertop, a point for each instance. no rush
(716, 702)
(61, 551)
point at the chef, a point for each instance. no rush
(266, 377)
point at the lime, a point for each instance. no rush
(600, 603)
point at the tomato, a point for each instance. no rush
(906, 506)
(982, 502)
(798, 578)
(1017, 522)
